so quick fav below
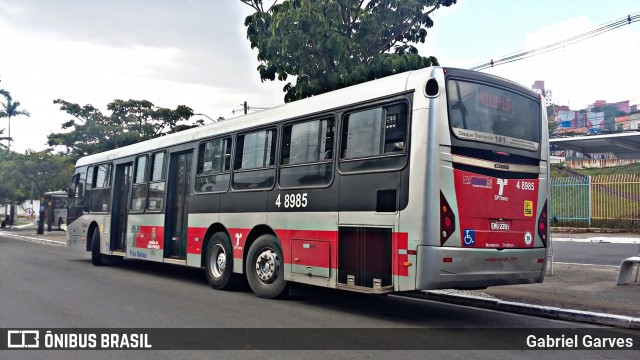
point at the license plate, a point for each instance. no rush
(500, 225)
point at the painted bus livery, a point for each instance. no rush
(436, 178)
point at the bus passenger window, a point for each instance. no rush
(307, 151)
(214, 164)
(156, 184)
(87, 190)
(139, 193)
(374, 132)
(101, 192)
(79, 187)
(254, 162)
(255, 150)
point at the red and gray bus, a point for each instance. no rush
(436, 178)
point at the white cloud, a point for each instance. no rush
(42, 67)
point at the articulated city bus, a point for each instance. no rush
(436, 178)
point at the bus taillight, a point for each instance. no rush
(542, 224)
(447, 220)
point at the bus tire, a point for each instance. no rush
(219, 261)
(96, 256)
(265, 268)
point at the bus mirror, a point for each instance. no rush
(70, 192)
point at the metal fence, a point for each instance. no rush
(600, 201)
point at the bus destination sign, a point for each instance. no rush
(493, 101)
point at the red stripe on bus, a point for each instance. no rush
(310, 247)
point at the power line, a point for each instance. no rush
(612, 25)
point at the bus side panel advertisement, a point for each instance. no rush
(150, 237)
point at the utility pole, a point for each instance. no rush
(246, 108)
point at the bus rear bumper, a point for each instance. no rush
(470, 268)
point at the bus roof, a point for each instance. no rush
(316, 104)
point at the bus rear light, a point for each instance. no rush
(447, 220)
(447, 260)
(540, 261)
(542, 224)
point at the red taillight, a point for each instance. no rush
(542, 224)
(447, 220)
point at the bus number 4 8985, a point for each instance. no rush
(292, 200)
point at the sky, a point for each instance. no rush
(195, 53)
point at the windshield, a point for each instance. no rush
(493, 115)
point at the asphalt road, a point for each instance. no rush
(49, 287)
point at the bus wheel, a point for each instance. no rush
(265, 268)
(219, 261)
(96, 256)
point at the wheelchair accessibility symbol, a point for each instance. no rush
(469, 238)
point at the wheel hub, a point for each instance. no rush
(267, 265)
(219, 261)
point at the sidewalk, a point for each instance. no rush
(575, 292)
(54, 237)
(584, 293)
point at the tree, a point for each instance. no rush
(328, 44)
(2, 138)
(29, 175)
(130, 122)
(9, 110)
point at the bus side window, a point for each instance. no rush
(139, 191)
(79, 188)
(254, 163)
(87, 189)
(101, 192)
(374, 139)
(374, 132)
(214, 165)
(307, 153)
(157, 182)
(395, 134)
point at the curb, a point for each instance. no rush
(550, 312)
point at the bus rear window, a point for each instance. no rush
(483, 113)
